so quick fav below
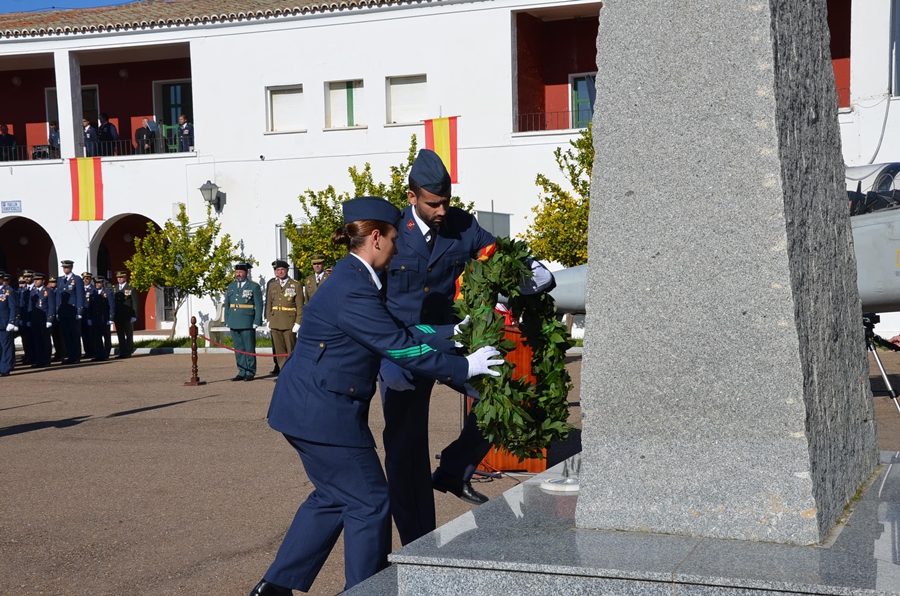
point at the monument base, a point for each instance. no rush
(525, 542)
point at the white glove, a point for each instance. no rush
(133, 319)
(16, 328)
(480, 360)
(541, 279)
(77, 317)
(255, 326)
(10, 328)
(457, 329)
(394, 377)
(89, 322)
(295, 328)
(49, 324)
(109, 322)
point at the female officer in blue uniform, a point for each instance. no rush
(321, 404)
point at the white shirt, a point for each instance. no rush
(371, 271)
(423, 227)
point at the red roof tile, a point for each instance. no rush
(146, 14)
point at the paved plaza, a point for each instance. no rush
(117, 479)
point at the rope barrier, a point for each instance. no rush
(243, 352)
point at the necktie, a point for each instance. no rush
(430, 240)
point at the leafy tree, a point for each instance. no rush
(321, 212)
(191, 260)
(559, 230)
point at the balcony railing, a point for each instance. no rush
(99, 149)
(539, 121)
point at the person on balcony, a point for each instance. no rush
(53, 140)
(90, 139)
(145, 138)
(107, 135)
(185, 134)
(7, 144)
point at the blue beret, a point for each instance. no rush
(429, 172)
(370, 208)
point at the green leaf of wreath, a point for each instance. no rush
(522, 417)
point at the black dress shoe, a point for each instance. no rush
(455, 486)
(238, 378)
(248, 378)
(264, 588)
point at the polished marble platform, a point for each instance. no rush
(525, 542)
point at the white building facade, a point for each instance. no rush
(281, 100)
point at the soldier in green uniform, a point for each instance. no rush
(243, 314)
(126, 310)
(311, 284)
(284, 309)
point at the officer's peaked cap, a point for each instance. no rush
(318, 259)
(279, 263)
(28, 273)
(429, 172)
(371, 208)
(121, 274)
(67, 263)
(242, 267)
(99, 279)
(86, 274)
(39, 276)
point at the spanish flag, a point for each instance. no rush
(87, 189)
(440, 137)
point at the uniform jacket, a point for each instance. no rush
(90, 141)
(185, 136)
(284, 305)
(243, 306)
(102, 307)
(325, 387)
(69, 294)
(126, 302)
(41, 305)
(9, 306)
(421, 284)
(310, 286)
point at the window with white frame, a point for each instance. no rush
(343, 104)
(406, 99)
(286, 109)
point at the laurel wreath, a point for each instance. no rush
(514, 414)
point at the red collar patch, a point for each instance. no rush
(410, 225)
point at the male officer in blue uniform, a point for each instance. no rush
(26, 282)
(435, 244)
(41, 310)
(101, 312)
(243, 314)
(9, 312)
(69, 309)
(87, 336)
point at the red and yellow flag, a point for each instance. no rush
(440, 137)
(87, 189)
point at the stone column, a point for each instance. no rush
(68, 97)
(725, 383)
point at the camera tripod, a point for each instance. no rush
(873, 340)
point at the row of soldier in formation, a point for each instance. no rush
(283, 310)
(57, 317)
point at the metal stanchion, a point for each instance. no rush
(195, 378)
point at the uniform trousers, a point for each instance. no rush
(283, 341)
(87, 338)
(71, 331)
(407, 459)
(351, 495)
(7, 351)
(25, 334)
(101, 338)
(245, 341)
(125, 335)
(40, 339)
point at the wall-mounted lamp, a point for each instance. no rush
(212, 195)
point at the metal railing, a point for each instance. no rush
(538, 121)
(97, 149)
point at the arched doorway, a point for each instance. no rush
(112, 245)
(24, 244)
